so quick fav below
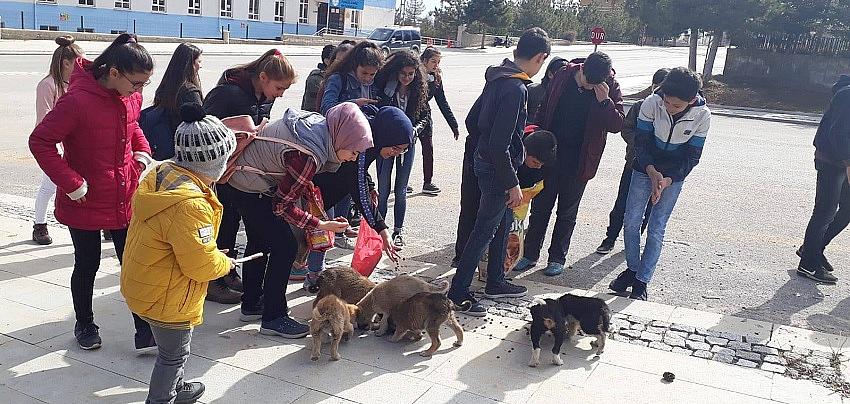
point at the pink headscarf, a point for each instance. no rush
(349, 128)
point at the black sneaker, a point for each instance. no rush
(623, 282)
(638, 291)
(431, 189)
(409, 190)
(826, 265)
(188, 393)
(285, 327)
(455, 262)
(505, 290)
(145, 341)
(398, 240)
(606, 247)
(87, 335)
(816, 274)
(470, 307)
(251, 313)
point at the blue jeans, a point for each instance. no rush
(404, 164)
(491, 228)
(640, 190)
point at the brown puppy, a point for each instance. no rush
(426, 311)
(345, 283)
(331, 315)
(387, 295)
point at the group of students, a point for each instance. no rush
(173, 223)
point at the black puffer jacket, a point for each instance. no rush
(233, 95)
(832, 141)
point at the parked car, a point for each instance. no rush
(394, 39)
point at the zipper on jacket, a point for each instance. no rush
(672, 128)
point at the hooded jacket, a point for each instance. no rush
(497, 120)
(234, 95)
(436, 90)
(311, 88)
(832, 141)
(672, 146)
(605, 117)
(171, 253)
(102, 141)
(339, 88)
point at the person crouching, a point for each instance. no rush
(171, 252)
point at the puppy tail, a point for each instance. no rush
(538, 301)
(443, 287)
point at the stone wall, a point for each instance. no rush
(804, 72)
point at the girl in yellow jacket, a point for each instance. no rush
(171, 252)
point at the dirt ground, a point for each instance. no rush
(721, 91)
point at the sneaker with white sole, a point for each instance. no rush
(505, 290)
(285, 327)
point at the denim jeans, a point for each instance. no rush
(831, 213)
(167, 376)
(491, 228)
(615, 218)
(469, 197)
(640, 191)
(404, 164)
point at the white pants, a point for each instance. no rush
(45, 192)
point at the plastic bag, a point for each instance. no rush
(368, 250)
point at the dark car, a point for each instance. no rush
(394, 39)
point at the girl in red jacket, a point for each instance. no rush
(105, 152)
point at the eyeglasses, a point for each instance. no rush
(136, 84)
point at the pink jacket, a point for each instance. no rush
(102, 143)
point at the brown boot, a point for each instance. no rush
(40, 235)
(233, 281)
(218, 292)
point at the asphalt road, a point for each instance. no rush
(730, 243)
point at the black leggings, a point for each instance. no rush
(427, 141)
(86, 263)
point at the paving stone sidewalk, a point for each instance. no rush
(716, 359)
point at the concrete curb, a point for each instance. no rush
(768, 115)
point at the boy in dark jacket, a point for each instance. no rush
(832, 196)
(582, 105)
(500, 114)
(314, 80)
(615, 223)
(671, 130)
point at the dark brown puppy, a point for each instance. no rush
(426, 311)
(347, 284)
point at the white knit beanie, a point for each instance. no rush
(202, 144)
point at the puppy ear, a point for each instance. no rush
(353, 310)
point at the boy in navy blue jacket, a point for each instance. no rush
(500, 117)
(670, 134)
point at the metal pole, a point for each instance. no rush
(82, 25)
(246, 31)
(181, 30)
(134, 25)
(594, 48)
(22, 20)
(328, 22)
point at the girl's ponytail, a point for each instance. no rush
(124, 54)
(67, 50)
(273, 64)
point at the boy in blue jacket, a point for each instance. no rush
(670, 134)
(500, 117)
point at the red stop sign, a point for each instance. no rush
(597, 35)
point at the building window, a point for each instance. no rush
(86, 2)
(355, 19)
(303, 9)
(47, 2)
(253, 9)
(158, 6)
(278, 11)
(227, 8)
(122, 4)
(48, 27)
(195, 7)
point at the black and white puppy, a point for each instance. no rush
(563, 317)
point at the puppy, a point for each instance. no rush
(564, 316)
(331, 315)
(345, 283)
(387, 295)
(426, 311)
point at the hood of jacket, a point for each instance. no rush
(167, 188)
(508, 69)
(83, 79)
(842, 82)
(310, 130)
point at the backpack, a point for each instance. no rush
(246, 133)
(156, 124)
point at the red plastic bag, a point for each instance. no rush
(368, 249)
